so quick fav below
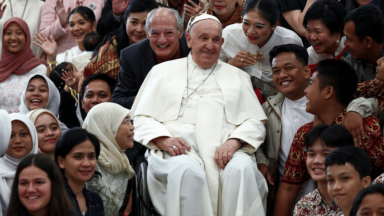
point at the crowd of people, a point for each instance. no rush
(238, 107)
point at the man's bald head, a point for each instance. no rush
(164, 13)
(205, 40)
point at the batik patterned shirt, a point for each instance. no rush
(313, 204)
(295, 170)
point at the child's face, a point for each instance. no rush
(372, 204)
(315, 160)
(76, 73)
(344, 184)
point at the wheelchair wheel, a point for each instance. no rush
(144, 203)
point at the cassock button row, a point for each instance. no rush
(201, 96)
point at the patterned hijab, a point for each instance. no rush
(21, 62)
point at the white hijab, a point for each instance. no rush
(53, 103)
(104, 120)
(5, 128)
(8, 165)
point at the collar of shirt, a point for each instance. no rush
(176, 56)
(363, 62)
(72, 196)
(318, 200)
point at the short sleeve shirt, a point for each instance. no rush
(289, 5)
(295, 170)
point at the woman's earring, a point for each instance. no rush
(337, 41)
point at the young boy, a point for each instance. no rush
(321, 141)
(348, 172)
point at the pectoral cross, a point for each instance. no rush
(259, 56)
(184, 105)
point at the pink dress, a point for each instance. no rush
(50, 23)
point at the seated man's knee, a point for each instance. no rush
(187, 165)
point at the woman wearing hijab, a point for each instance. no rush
(17, 63)
(41, 92)
(111, 124)
(23, 142)
(47, 128)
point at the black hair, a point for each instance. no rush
(91, 40)
(72, 138)
(329, 12)
(381, 123)
(341, 76)
(373, 189)
(59, 204)
(122, 39)
(353, 155)
(330, 136)
(369, 22)
(57, 73)
(99, 76)
(85, 12)
(300, 52)
(267, 8)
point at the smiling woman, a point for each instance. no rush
(48, 129)
(17, 63)
(76, 154)
(38, 189)
(41, 92)
(23, 142)
(247, 45)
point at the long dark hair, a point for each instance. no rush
(59, 204)
(122, 39)
(72, 138)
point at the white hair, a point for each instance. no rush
(179, 21)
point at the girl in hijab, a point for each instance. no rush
(23, 142)
(41, 92)
(47, 128)
(111, 124)
(17, 63)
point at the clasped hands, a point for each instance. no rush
(177, 146)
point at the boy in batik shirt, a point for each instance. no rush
(321, 141)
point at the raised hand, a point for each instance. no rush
(242, 59)
(61, 12)
(49, 46)
(194, 9)
(119, 6)
(2, 9)
(69, 79)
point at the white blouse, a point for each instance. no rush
(68, 55)
(235, 41)
(314, 58)
(12, 88)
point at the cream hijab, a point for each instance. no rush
(53, 103)
(8, 165)
(5, 128)
(104, 120)
(34, 114)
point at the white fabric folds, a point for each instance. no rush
(5, 128)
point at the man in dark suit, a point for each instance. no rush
(165, 41)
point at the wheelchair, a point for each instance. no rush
(143, 203)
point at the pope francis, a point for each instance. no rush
(202, 122)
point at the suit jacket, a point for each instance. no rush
(135, 63)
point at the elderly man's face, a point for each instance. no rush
(163, 34)
(205, 41)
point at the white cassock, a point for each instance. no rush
(223, 107)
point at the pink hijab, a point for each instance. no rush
(21, 62)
